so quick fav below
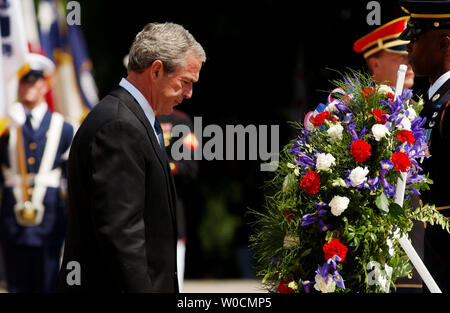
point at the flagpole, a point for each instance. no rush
(399, 196)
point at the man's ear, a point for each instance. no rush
(156, 69)
(444, 42)
(373, 64)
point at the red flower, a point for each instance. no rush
(401, 161)
(368, 92)
(283, 286)
(390, 95)
(311, 182)
(334, 247)
(360, 150)
(379, 116)
(319, 118)
(288, 215)
(406, 135)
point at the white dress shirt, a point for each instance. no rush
(438, 84)
(18, 114)
(145, 105)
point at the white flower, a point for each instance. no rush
(339, 182)
(331, 107)
(291, 241)
(321, 286)
(384, 90)
(293, 285)
(335, 132)
(411, 114)
(404, 124)
(295, 167)
(338, 205)
(379, 131)
(324, 161)
(358, 175)
(289, 180)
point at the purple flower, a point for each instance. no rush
(414, 178)
(303, 159)
(309, 219)
(341, 107)
(413, 191)
(307, 285)
(323, 227)
(386, 165)
(323, 271)
(320, 205)
(350, 85)
(351, 130)
(389, 190)
(347, 118)
(330, 267)
(338, 279)
(363, 132)
(372, 183)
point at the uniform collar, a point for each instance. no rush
(18, 114)
(438, 84)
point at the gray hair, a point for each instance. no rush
(168, 42)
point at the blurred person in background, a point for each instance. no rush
(33, 155)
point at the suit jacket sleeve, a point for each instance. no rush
(118, 185)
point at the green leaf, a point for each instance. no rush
(382, 203)
(266, 277)
(306, 252)
(396, 210)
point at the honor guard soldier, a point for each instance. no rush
(429, 54)
(384, 51)
(32, 156)
(185, 171)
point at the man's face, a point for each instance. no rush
(32, 92)
(423, 53)
(387, 68)
(172, 88)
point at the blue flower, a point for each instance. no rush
(309, 218)
(330, 267)
(372, 183)
(307, 285)
(386, 165)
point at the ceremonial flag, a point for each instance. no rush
(3, 98)
(83, 66)
(66, 94)
(13, 52)
(30, 24)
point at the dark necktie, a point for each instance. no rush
(159, 133)
(28, 120)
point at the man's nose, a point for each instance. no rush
(187, 91)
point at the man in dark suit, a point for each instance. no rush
(122, 226)
(429, 54)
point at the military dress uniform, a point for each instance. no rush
(424, 16)
(185, 172)
(437, 129)
(32, 215)
(386, 37)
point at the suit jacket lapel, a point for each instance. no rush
(134, 106)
